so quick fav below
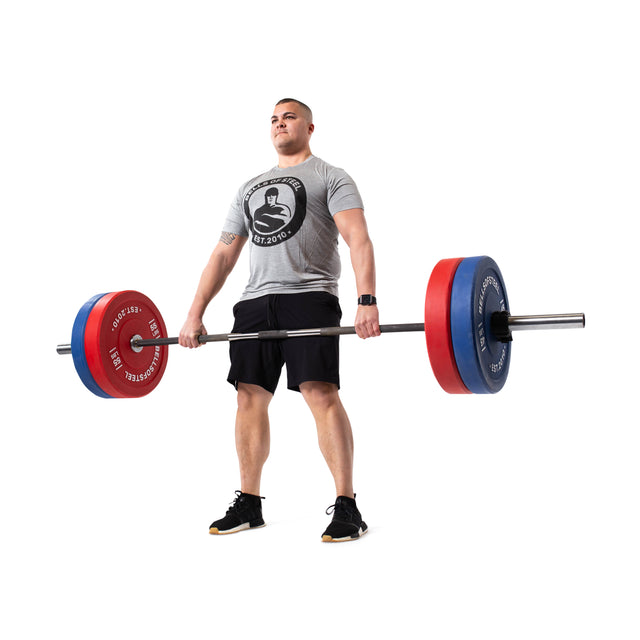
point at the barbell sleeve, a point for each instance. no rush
(557, 321)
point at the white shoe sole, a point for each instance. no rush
(214, 530)
(326, 538)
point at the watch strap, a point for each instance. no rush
(367, 300)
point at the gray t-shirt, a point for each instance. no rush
(288, 215)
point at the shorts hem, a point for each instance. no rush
(235, 384)
(296, 387)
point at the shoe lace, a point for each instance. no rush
(237, 502)
(342, 511)
(234, 504)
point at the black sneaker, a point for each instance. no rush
(346, 524)
(244, 513)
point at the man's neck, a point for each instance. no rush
(285, 161)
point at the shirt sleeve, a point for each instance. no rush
(236, 221)
(342, 192)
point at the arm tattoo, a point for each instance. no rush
(227, 238)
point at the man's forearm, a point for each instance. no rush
(364, 266)
(221, 263)
(212, 279)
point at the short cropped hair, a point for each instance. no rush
(307, 111)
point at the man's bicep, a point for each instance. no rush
(351, 224)
(230, 245)
(227, 238)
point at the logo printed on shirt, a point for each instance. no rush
(276, 209)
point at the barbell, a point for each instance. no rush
(119, 340)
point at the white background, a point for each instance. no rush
(501, 128)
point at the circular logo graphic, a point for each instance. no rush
(276, 209)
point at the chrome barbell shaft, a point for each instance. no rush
(280, 334)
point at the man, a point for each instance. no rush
(293, 285)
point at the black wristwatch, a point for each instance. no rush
(367, 300)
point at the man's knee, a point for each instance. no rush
(320, 395)
(252, 397)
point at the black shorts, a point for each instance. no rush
(314, 358)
